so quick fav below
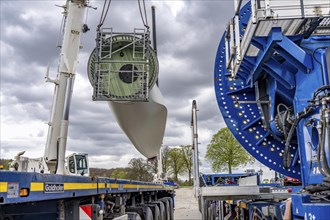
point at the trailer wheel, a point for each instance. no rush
(155, 210)
(144, 212)
(162, 211)
(211, 211)
(204, 205)
(148, 214)
(171, 208)
(133, 216)
(167, 208)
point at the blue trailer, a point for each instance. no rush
(26, 195)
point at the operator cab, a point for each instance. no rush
(77, 164)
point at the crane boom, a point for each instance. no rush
(58, 127)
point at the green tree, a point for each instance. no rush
(4, 163)
(175, 162)
(139, 170)
(118, 174)
(225, 153)
(187, 159)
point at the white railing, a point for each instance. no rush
(293, 16)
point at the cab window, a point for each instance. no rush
(81, 162)
(71, 165)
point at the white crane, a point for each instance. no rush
(53, 160)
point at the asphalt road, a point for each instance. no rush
(186, 206)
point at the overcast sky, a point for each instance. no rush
(188, 34)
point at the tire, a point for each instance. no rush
(212, 208)
(209, 213)
(167, 208)
(162, 211)
(205, 210)
(148, 214)
(155, 211)
(133, 216)
(137, 210)
(172, 208)
(144, 212)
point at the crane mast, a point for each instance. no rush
(194, 133)
(54, 155)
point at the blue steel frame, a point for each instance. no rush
(244, 119)
(211, 179)
(256, 209)
(291, 75)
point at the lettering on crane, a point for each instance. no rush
(75, 32)
(54, 188)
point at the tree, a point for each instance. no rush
(118, 174)
(153, 165)
(4, 163)
(187, 157)
(175, 162)
(225, 153)
(165, 160)
(139, 170)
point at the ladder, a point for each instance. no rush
(120, 65)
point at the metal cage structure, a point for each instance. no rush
(123, 66)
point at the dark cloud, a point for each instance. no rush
(187, 35)
(32, 31)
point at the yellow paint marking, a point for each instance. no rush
(3, 186)
(37, 186)
(133, 186)
(107, 185)
(72, 186)
(114, 185)
(102, 185)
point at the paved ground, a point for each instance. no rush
(186, 206)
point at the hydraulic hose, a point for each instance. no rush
(319, 150)
(324, 160)
(287, 156)
(319, 90)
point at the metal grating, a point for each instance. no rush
(323, 28)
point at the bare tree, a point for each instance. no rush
(165, 160)
(187, 159)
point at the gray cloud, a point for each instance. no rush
(187, 37)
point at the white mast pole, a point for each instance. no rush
(195, 147)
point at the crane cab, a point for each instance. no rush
(77, 164)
